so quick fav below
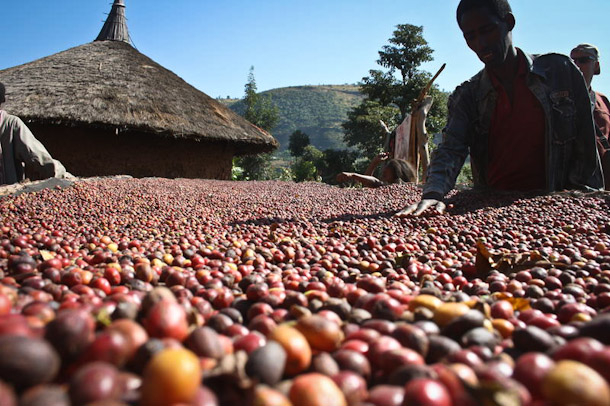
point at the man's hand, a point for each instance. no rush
(381, 157)
(419, 208)
(69, 176)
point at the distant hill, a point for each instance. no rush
(318, 111)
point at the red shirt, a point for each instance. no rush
(601, 114)
(516, 137)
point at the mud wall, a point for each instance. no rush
(87, 152)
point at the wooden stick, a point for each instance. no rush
(413, 150)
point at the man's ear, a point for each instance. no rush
(509, 19)
(596, 70)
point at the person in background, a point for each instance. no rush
(21, 154)
(394, 171)
(586, 57)
(524, 119)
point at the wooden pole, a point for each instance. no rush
(413, 150)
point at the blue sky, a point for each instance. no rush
(212, 43)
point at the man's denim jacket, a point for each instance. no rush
(572, 161)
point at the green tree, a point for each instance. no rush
(402, 82)
(408, 50)
(253, 167)
(260, 109)
(313, 154)
(303, 171)
(363, 129)
(305, 167)
(398, 86)
(315, 165)
(297, 142)
(261, 112)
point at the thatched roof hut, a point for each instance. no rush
(106, 92)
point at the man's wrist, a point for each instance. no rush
(433, 196)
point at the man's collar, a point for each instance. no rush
(486, 85)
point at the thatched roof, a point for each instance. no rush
(109, 84)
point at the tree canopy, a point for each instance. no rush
(391, 92)
(297, 143)
(408, 50)
(260, 109)
(261, 112)
(364, 130)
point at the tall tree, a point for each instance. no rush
(261, 112)
(260, 109)
(305, 167)
(396, 87)
(297, 142)
(408, 50)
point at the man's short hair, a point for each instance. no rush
(2, 93)
(498, 7)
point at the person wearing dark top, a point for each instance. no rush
(524, 119)
(586, 57)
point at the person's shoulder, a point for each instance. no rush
(551, 56)
(601, 95)
(470, 83)
(14, 125)
(467, 87)
(558, 69)
(553, 60)
(603, 98)
(12, 119)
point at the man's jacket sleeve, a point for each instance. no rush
(449, 157)
(38, 162)
(585, 171)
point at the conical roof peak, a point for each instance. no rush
(115, 27)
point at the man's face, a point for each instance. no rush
(487, 35)
(586, 63)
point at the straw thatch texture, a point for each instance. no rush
(110, 85)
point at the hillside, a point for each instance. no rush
(318, 111)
